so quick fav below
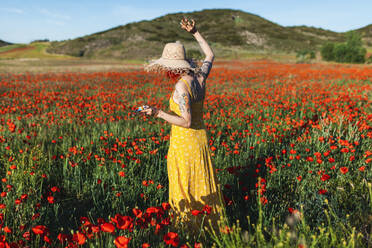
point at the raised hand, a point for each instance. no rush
(188, 26)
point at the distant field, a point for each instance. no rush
(20, 58)
(33, 50)
(36, 65)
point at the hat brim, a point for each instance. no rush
(162, 64)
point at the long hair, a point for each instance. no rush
(175, 75)
(172, 75)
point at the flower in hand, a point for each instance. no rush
(150, 110)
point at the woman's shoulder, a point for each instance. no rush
(205, 69)
(183, 84)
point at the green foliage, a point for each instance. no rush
(369, 60)
(295, 232)
(193, 53)
(350, 52)
(327, 51)
(305, 55)
(40, 41)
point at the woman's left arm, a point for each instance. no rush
(184, 104)
(174, 119)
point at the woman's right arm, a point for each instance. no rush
(209, 55)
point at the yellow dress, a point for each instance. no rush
(192, 177)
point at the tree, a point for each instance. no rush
(352, 51)
(327, 51)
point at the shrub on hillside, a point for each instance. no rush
(305, 55)
(369, 59)
(193, 53)
(327, 51)
(350, 52)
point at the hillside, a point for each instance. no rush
(4, 43)
(366, 33)
(229, 32)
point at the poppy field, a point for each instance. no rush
(291, 144)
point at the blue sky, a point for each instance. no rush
(22, 21)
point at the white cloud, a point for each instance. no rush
(12, 10)
(54, 15)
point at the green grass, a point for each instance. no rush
(9, 47)
(36, 50)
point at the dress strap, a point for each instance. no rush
(188, 86)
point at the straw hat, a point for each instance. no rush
(173, 59)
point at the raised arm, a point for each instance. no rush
(207, 50)
(209, 55)
(191, 28)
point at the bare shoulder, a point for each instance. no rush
(180, 88)
(181, 85)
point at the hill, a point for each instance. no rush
(4, 43)
(229, 32)
(366, 33)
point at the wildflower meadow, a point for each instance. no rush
(291, 144)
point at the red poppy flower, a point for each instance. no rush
(55, 189)
(195, 212)
(325, 177)
(107, 227)
(322, 191)
(123, 222)
(79, 238)
(171, 238)
(95, 228)
(137, 212)
(198, 245)
(47, 239)
(263, 200)
(165, 205)
(207, 209)
(331, 160)
(50, 199)
(26, 235)
(344, 170)
(39, 229)
(122, 242)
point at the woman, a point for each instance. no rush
(193, 184)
